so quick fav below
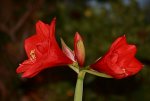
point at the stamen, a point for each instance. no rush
(32, 55)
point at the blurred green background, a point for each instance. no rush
(99, 22)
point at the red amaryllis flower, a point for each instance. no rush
(42, 51)
(119, 61)
(78, 55)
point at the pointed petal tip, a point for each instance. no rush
(19, 69)
(124, 36)
(26, 75)
(121, 38)
(52, 25)
(39, 22)
(77, 32)
(54, 20)
(23, 76)
(77, 36)
(62, 41)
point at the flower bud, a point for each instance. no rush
(79, 49)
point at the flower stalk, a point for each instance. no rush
(79, 86)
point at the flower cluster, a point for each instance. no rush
(43, 52)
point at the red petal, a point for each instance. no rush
(127, 50)
(30, 72)
(55, 51)
(42, 29)
(42, 47)
(52, 29)
(24, 66)
(26, 75)
(118, 42)
(134, 66)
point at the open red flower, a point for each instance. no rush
(78, 55)
(42, 51)
(119, 61)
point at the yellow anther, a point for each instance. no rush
(32, 55)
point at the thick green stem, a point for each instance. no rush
(79, 87)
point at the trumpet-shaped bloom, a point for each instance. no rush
(119, 61)
(42, 51)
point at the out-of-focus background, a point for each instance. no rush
(99, 22)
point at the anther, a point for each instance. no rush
(32, 55)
